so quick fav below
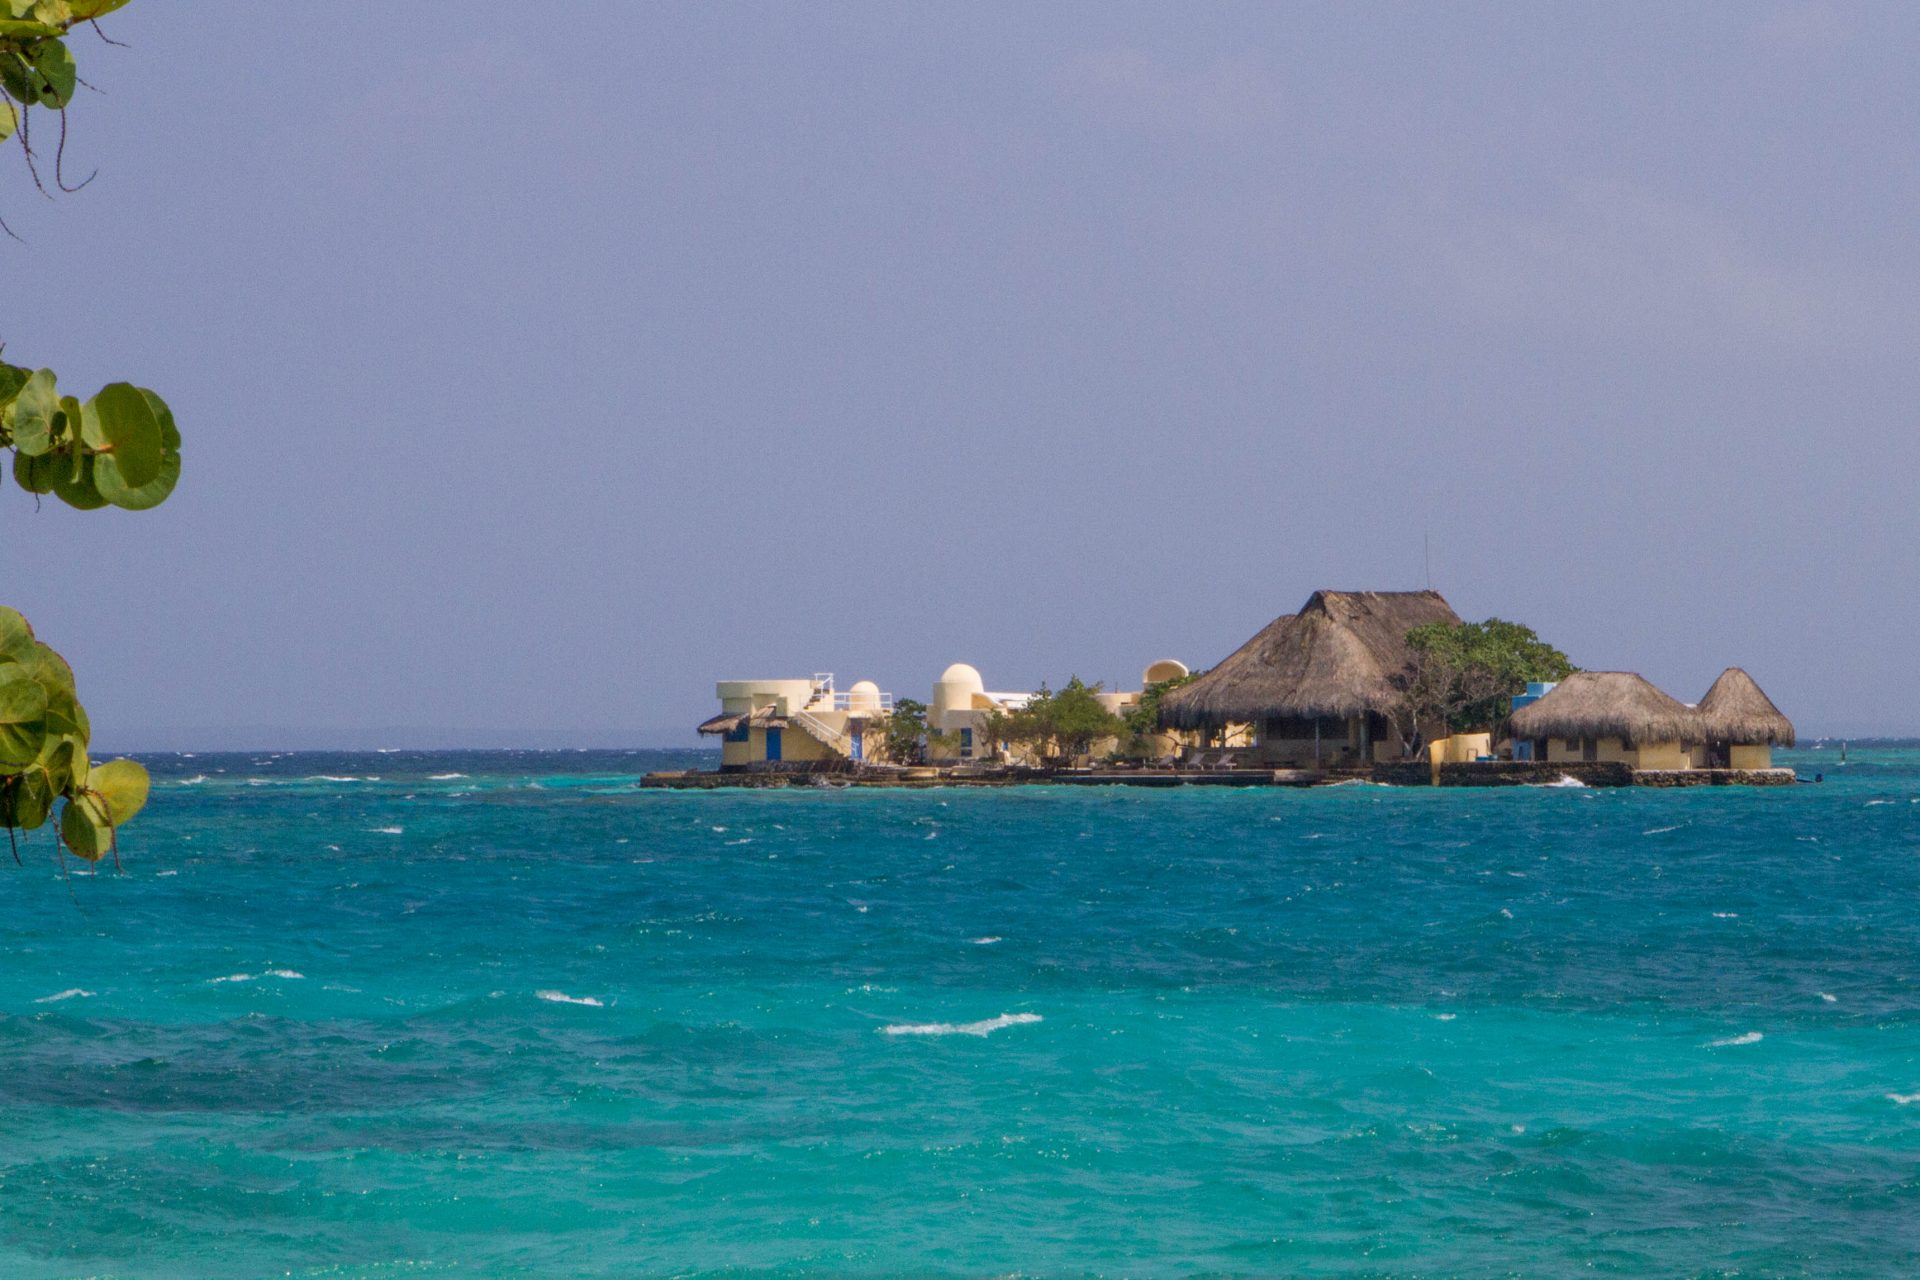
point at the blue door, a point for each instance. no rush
(859, 741)
(773, 744)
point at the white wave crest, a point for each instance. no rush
(331, 777)
(1751, 1037)
(1903, 1099)
(444, 777)
(985, 1026)
(71, 993)
(194, 781)
(986, 941)
(389, 831)
(1564, 780)
(283, 973)
(233, 977)
(561, 997)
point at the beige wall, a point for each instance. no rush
(1461, 748)
(1760, 757)
(787, 696)
(1650, 755)
(1664, 755)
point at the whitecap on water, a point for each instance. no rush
(1751, 1037)
(194, 781)
(233, 977)
(444, 777)
(1903, 1099)
(71, 993)
(984, 1027)
(1564, 780)
(985, 942)
(1828, 997)
(561, 997)
(283, 973)
(1726, 915)
(388, 831)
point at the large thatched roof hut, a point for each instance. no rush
(1736, 712)
(1608, 704)
(1343, 657)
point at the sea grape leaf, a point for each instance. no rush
(123, 784)
(119, 423)
(169, 433)
(12, 377)
(36, 475)
(88, 10)
(30, 415)
(16, 637)
(76, 487)
(25, 800)
(54, 67)
(23, 710)
(150, 494)
(85, 828)
(18, 80)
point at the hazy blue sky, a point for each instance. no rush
(537, 372)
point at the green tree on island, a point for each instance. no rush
(119, 447)
(1057, 727)
(1466, 674)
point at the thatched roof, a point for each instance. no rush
(1608, 704)
(1345, 652)
(1736, 711)
(767, 717)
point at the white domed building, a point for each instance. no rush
(798, 724)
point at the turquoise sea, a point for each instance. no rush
(499, 1014)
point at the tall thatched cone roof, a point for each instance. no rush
(1736, 711)
(1608, 704)
(1345, 652)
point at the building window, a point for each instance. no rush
(966, 742)
(740, 731)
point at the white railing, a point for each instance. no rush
(864, 702)
(839, 739)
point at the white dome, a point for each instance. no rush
(962, 675)
(1165, 669)
(865, 686)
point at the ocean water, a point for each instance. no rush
(412, 1014)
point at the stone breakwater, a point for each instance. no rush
(1412, 773)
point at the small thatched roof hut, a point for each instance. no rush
(1344, 654)
(1735, 711)
(1608, 704)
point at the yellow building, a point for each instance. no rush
(1612, 716)
(797, 722)
(958, 716)
(1324, 687)
(1742, 726)
(962, 709)
(1617, 715)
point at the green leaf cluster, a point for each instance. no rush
(1466, 674)
(904, 732)
(36, 67)
(119, 447)
(43, 751)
